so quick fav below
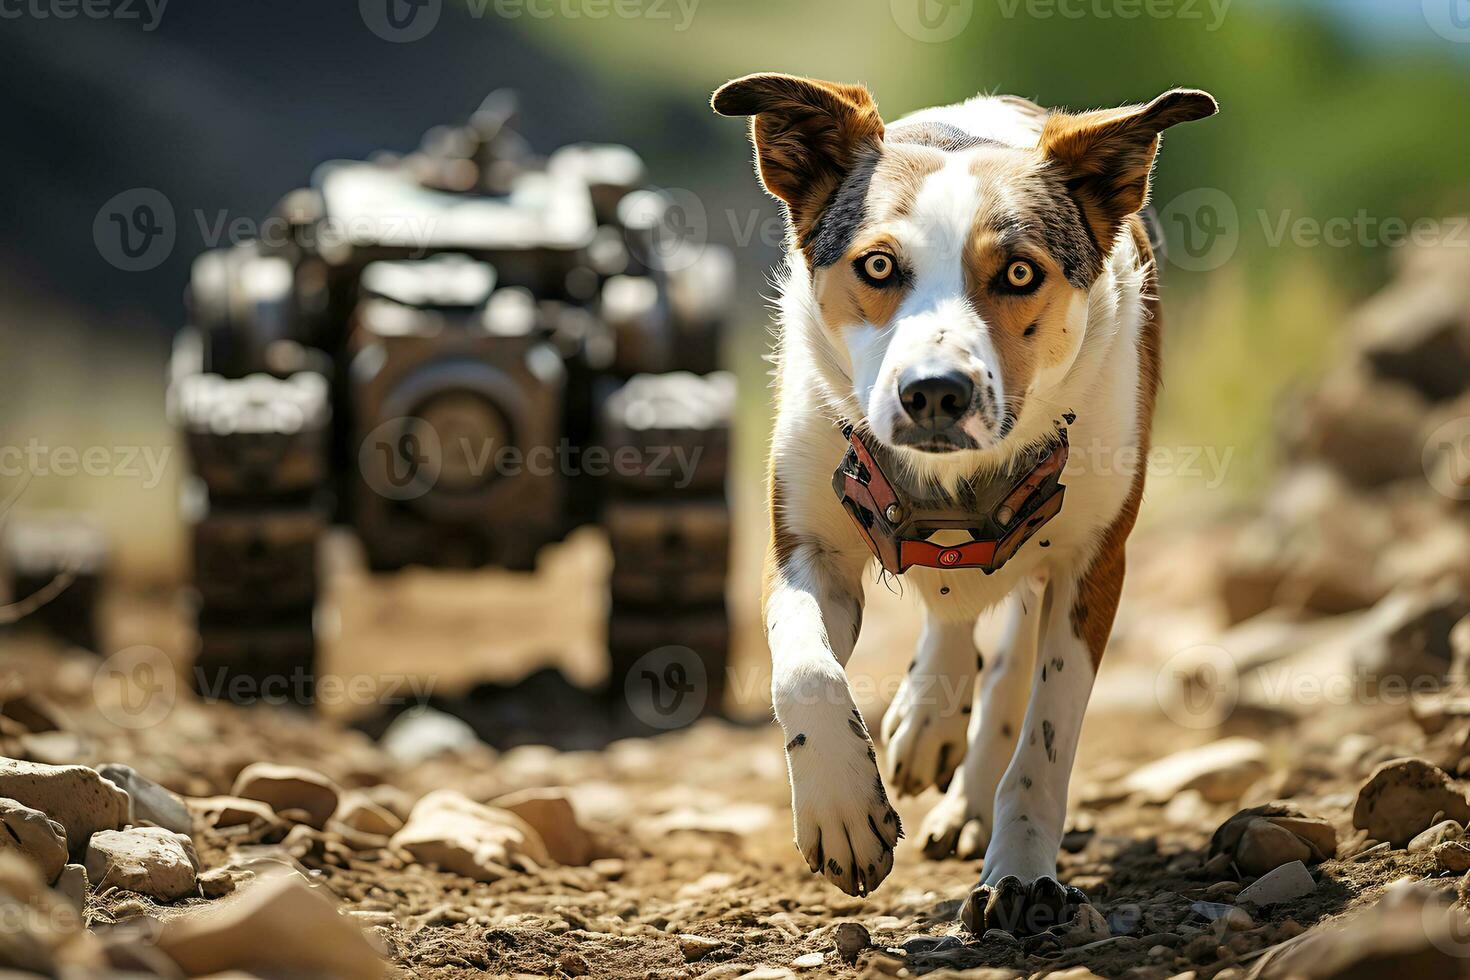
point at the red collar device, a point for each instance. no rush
(1000, 513)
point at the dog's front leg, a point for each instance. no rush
(1019, 891)
(845, 827)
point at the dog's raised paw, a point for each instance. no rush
(1020, 909)
(847, 835)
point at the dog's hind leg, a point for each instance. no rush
(1019, 891)
(924, 728)
(961, 823)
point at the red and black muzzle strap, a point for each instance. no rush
(1000, 513)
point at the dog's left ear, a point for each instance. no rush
(1106, 156)
(808, 135)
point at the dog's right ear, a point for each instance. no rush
(808, 135)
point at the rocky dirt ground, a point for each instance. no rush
(1270, 782)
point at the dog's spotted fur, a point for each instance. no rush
(954, 196)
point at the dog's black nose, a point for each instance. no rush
(935, 399)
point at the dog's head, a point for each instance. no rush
(952, 273)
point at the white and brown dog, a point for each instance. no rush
(962, 288)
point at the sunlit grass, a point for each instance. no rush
(1232, 350)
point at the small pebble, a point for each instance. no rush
(851, 938)
(573, 964)
(697, 947)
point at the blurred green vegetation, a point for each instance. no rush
(1321, 119)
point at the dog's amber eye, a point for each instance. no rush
(1020, 274)
(877, 267)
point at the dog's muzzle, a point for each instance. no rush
(1000, 514)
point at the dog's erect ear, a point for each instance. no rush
(1106, 156)
(808, 135)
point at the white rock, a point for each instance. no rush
(468, 838)
(1440, 832)
(76, 797)
(1281, 885)
(286, 788)
(423, 733)
(1221, 771)
(151, 802)
(808, 961)
(34, 836)
(149, 860)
